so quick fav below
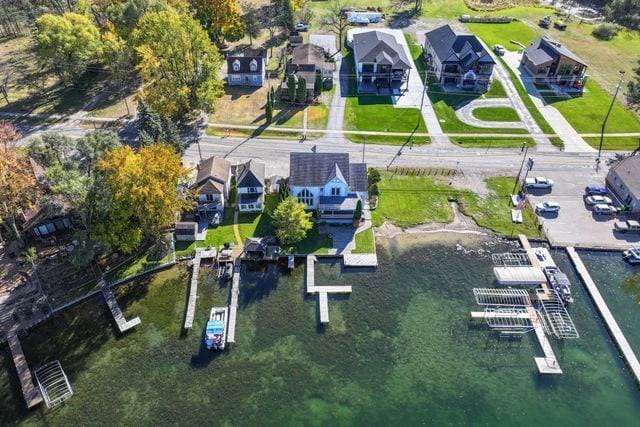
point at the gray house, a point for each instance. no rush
(328, 183)
(247, 68)
(458, 59)
(307, 60)
(212, 185)
(548, 61)
(250, 185)
(623, 181)
(381, 62)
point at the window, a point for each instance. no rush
(565, 69)
(236, 78)
(335, 191)
(243, 207)
(305, 197)
(252, 189)
(253, 66)
(250, 205)
(209, 197)
(236, 65)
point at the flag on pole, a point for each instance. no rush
(521, 204)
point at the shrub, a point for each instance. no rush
(606, 31)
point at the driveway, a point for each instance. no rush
(575, 224)
(573, 143)
(465, 113)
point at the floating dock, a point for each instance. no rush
(609, 320)
(123, 324)
(233, 306)
(322, 291)
(31, 392)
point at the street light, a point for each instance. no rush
(604, 123)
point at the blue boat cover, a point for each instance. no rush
(215, 327)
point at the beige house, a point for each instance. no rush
(623, 181)
(212, 185)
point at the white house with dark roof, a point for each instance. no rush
(212, 185)
(328, 183)
(623, 181)
(549, 62)
(381, 62)
(458, 59)
(247, 68)
(250, 185)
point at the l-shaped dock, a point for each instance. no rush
(322, 291)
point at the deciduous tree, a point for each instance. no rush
(252, 20)
(633, 90)
(125, 15)
(19, 190)
(291, 221)
(52, 149)
(9, 135)
(221, 19)
(178, 63)
(140, 195)
(285, 13)
(336, 21)
(93, 146)
(69, 43)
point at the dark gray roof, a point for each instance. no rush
(247, 198)
(340, 203)
(629, 172)
(379, 47)
(451, 47)
(315, 169)
(251, 174)
(545, 49)
(245, 64)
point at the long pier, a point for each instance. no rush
(609, 320)
(193, 291)
(233, 306)
(123, 324)
(547, 364)
(31, 392)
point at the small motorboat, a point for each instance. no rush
(215, 335)
(291, 262)
(228, 271)
(560, 283)
(632, 256)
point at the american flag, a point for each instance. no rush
(521, 203)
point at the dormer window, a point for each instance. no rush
(236, 65)
(253, 65)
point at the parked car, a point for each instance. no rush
(538, 182)
(545, 22)
(302, 27)
(595, 189)
(499, 49)
(598, 200)
(602, 209)
(547, 207)
(627, 226)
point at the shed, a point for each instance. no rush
(186, 231)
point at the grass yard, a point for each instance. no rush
(493, 34)
(388, 139)
(258, 133)
(473, 142)
(496, 114)
(114, 105)
(317, 116)
(496, 90)
(586, 113)
(149, 258)
(411, 200)
(622, 143)
(215, 237)
(314, 243)
(365, 242)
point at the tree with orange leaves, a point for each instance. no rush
(9, 135)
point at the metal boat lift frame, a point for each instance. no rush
(54, 384)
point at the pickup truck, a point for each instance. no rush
(627, 226)
(538, 182)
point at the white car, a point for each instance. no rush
(499, 49)
(302, 27)
(538, 182)
(598, 200)
(602, 209)
(547, 207)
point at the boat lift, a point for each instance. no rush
(511, 259)
(54, 384)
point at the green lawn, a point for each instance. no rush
(502, 34)
(377, 113)
(411, 200)
(479, 142)
(314, 243)
(141, 262)
(365, 242)
(215, 237)
(496, 114)
(388, 139)
(586, 113)
(496, 90)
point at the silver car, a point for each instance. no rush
(598, 200)
(602, 209)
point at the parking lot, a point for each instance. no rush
(576, 224)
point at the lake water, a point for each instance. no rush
(398, 351)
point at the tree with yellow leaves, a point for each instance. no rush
(178, 63)
(19, 190)
(140, 195)
(221, 19)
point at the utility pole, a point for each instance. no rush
(515, 184)
(604, 123)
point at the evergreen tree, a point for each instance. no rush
(285, 13)
(291, 87)
(149, 124)
(301, 91)
(357, 214)
(172, 135)
(268, 108)
(317, 85)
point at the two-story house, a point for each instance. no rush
(328, 183)
(381, 62)
(307, 60)
(250, 185)
(549, 62)
(247, 68)
(212, 186)
(458, 59)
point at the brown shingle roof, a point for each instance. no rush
(212, 175)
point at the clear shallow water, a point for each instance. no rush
(399, 350)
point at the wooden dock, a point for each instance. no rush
(547, 364)
(193, 291)
(360, 260)
(122, 323)
(31, 392)
(322, 291)
(233, 306)
(609, 320)
(544, 294)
